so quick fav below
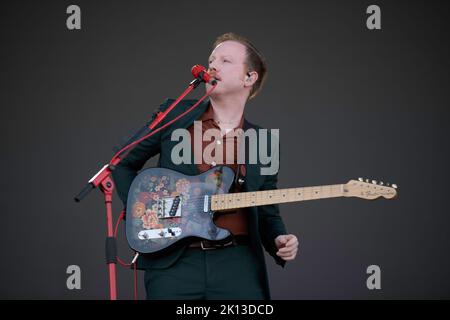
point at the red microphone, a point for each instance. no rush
(199, 72)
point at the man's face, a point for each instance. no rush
(227, 65)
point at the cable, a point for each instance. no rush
(162, 127)
(122, 214)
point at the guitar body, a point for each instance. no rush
(165, 207)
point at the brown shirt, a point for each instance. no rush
(235, 221)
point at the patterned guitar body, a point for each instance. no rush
(165, 207)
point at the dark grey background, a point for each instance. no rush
(349, 102)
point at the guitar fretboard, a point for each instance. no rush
(260, 198)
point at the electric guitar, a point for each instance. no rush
(165, 207)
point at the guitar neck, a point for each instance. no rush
(260, 198)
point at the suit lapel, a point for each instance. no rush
(253, 176)
(184, 123)
(201, 110)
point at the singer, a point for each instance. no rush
(200, 269)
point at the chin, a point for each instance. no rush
(216, 91)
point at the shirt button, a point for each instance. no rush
(219, 142)
(213, 164)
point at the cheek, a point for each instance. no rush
(236, 75)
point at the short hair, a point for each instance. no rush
(255, 60)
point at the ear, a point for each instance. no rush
(251, 78)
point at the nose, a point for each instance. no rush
(211, 69)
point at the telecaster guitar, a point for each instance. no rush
(165, 207)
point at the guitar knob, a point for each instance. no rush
(367, 180)
(394, 186)
(381, 183)
(361, 179)
(374, 181)
(387, 184)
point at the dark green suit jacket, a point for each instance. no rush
(264, 222)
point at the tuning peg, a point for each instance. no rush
(381, 183)
(394, 186)
(361, 179)
(367, 180)
(374, 181)
(387, 184)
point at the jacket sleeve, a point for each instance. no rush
(270, 222)
(125, 172)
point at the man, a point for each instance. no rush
(236, 270)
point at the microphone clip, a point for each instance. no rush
(196, 82)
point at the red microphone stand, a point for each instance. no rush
(103, 181)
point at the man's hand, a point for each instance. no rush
(287, 245)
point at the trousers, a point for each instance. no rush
(227, 273)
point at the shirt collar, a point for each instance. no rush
(209, 115)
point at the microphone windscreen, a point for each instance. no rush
(197, 69)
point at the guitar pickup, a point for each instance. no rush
(169, 207)
(159, 233)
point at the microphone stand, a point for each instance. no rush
(104, 182)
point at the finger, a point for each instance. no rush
(285, 250)
(282, 240)
(292, 241)
(284, 253)
(288, 248)
(287, 257)
(287, 254)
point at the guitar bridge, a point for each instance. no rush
(169, 207)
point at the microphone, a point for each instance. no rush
(199, 72)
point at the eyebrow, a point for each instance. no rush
(225, 55)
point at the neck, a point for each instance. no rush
(228, 110)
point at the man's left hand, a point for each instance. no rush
(287, 245)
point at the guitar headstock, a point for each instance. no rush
(369, 189)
